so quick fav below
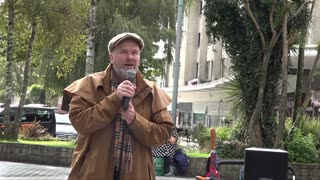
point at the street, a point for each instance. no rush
(24, 171)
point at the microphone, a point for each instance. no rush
(131, 74)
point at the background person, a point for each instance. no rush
(114, 143)
(167, 152)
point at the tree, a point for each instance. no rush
(152, 20)
(298, 92)
(44, 15)
(92, 15)
(8, 84)
(287, 9)
(256, 57)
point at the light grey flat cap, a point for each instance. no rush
(120, 37)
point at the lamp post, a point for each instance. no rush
(177, 62)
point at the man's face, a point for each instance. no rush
(125, 56)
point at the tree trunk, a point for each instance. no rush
(42, 98)
(26, 73)
(65, 102)
(92, 14)
(8, 90)
(283, 99)
(255, 134)
(311, 76)
(298, 93)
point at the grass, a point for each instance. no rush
(198, 154)
(53, 143)
(71, 144)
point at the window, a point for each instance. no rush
(197, 70)
(44, 115)
(199, 36)
(29, 115)
(201, 8)
(207, 70)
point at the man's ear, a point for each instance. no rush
(111, 57)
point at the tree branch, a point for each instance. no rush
(254, 20)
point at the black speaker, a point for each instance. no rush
(265, 164)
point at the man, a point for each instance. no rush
(114, 143)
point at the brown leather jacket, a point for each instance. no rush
(92, 109)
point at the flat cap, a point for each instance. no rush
(120, 37)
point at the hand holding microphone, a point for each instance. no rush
(125, 91)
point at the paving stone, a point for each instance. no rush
(27, 171)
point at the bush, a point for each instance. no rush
(224, 133)
(302, 148)
(311, 125)
(202, 134)
(230, 149)
(35, 131)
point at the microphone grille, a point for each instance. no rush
(131, 74)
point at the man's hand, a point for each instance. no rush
(125, 89)
(129, 115)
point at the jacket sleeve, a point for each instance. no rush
(87, 118)
(152, 133)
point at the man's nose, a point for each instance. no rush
(130, 55)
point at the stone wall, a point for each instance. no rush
(35, 154)
(62, 157)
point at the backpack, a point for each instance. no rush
(181, 161)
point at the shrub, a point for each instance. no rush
(35, 131)
(230, 149)
(202, 134)
(311, 125)
(224, 133)
(302, 148)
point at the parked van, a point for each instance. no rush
(31, 112)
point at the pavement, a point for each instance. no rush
(27, 171)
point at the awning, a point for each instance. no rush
(213, 108)
(218, 109)
(199, 107)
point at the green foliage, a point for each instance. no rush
(45, 141)
(2, 96)
(239, 131)
(35, 92)
(60, 40)
(224, 133)
(301, 148)
(228, 22)
(49, 142)
(153, 20)
(197, 154)
(202, 134)
(227, 146)
(230, 149)
(312, 126)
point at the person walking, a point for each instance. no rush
(119, 117)
(167, 151)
